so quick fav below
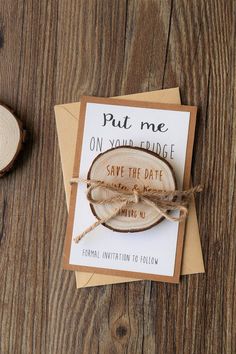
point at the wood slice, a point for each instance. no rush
(11, 139)
(133, 168)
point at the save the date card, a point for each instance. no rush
(131, 177)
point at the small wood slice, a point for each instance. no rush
(133, 168)
(11, 139)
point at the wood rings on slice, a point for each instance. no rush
(130, 168)
(12, 136)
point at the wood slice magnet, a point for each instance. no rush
(132, 168)
(11, 139)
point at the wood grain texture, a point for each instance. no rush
(53, 52)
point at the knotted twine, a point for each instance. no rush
(160, 200)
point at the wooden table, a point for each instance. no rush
(54, 51)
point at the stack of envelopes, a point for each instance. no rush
(67, 119)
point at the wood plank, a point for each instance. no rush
(27, 68)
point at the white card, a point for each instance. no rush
(164, 129)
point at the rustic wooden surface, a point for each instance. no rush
(53, 51)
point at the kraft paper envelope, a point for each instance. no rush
(67, 116)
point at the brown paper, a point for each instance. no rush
(67, 116)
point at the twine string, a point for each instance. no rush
(160, 200)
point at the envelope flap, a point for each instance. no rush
(171, 96)
(71, 108)
(85, 280)
(67, 123)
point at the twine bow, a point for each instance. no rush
(161, 201)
